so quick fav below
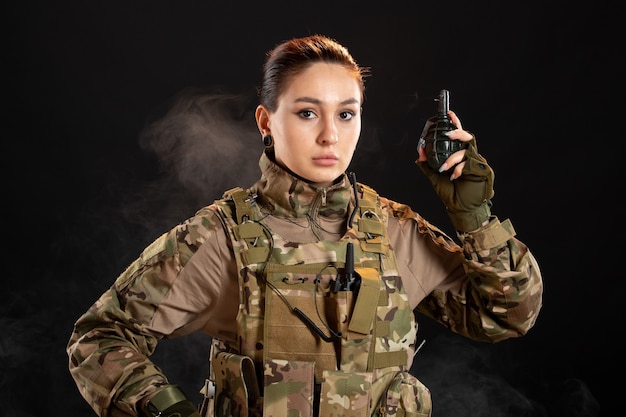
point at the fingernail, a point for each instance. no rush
(452, 177)
(448, 133)
(443, 167)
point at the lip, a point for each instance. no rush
(326, 159)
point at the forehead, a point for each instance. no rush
(324, 78)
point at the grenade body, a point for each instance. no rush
(437, 145)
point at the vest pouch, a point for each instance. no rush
(236, 389)
(406, 396)
(354, 347)
(356, 319)
(364, 313)
(288, 388)
(287, 337)
(346, 394)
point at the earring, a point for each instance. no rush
(268, 140)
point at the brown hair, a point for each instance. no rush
(293, 56)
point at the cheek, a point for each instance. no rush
(353, 140)
(353, 131)
(288, 152)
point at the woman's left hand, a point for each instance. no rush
(467, 191)
(457, 159)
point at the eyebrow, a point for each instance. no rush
(312, 100)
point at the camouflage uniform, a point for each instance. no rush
(488, 289)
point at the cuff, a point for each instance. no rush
(467, 221)
(492, 235)
(167, 397)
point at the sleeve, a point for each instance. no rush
(111, 343)
(499, 295)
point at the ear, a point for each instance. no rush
(262, 116)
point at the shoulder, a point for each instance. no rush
(213, 216)
(394, 208)
(405, 223)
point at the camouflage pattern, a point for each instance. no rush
(110, 374)
(346, 394)
(500, 271)
(300, 275)
(289, 388)
(111, 343)
(500, 268)
(237, 391)
(406, 396)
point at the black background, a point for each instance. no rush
(540, 84)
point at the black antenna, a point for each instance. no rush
(350, 277)
(349, 280)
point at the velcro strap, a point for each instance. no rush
(373, 245)
(255, 255)
(249, 230)
(243, 208)
(368, 194)
(166, 398)
(385, 359)
(491, 236)
(371, 225)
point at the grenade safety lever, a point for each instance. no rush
(437, 145)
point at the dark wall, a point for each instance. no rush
(87, 188)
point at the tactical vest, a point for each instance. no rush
(307, 346)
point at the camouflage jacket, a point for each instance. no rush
(489, 288)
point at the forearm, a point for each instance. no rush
(501, 294)
(109, 359)
(502, 269)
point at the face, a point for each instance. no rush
(317, 124)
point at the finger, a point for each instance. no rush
(455, 119)
(459, 134)
(454, 161)
(457, 171)
(421, 154)
(457, 157)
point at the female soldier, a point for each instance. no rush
(307, 280)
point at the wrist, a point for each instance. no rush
(467, 221)
(170, 401)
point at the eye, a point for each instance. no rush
(307, 114)
(346, 115)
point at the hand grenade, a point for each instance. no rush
(438, 146)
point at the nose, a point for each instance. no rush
(329, 134)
